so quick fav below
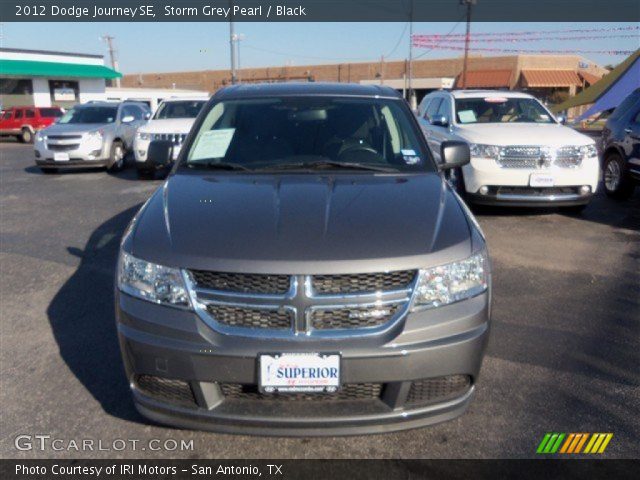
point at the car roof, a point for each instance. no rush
(306, 89)
(185, 99)
(488, 93)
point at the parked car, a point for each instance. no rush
(621, 148)
(91, 135)
(521, 155)
(24, 122)
(172, 121)
(305, 269)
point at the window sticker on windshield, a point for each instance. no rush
(544, 116)
(410, 157)
(467, 116)
(212, 144)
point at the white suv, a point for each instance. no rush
(172, 121)
(521, 154)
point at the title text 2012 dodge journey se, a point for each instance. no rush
(305, 270)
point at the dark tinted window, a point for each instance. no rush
(15, 86)
(299, 131)
(422, 109)
(90, 115)
(133, 111)
(30, 113)
(187, 109)
(18, 113)
(445, 109)
(7, 116)
(50, 112)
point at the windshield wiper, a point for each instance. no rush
(329, 164)
(213, 165)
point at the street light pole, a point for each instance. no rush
(412, 94)
(467, 39)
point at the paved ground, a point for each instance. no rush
(563, 354)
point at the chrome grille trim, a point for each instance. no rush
(175, 138)
(539, 157)
(302, 302)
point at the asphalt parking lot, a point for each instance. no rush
(564, 352)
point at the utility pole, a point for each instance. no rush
(412, 94)
(382, 70)
(112, 54)
(237, 38)
(467, 39)
(232, 42)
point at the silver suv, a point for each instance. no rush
(306, 269)
(91, 135)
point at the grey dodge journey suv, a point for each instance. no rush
(305, 270)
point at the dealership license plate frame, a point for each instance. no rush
(270, 387)
(539, 180)
(60, 157)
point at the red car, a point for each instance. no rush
(24, 122)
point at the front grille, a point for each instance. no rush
(64, 137)
(167, 389)
(523, 157)
(246, 317)
(63, 148)
(353, 317)
(175, 138)
(533, 191)
(529, 157)
(438, 389)
(349, 391)
(568, 157)
(361, 283)
(242, 282)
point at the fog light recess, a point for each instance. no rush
(484, 190)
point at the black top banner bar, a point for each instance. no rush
(318, 10)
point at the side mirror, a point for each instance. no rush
(147, 115)
(128, 119)
(454, 154)
(561, 119)
(440, 121)
(160, 153)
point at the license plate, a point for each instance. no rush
(299, 372)
(61, 157)
(541, 180)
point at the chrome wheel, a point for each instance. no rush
(612, 175)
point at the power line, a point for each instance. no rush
(446, 35)
(274, 52)
(404, 30)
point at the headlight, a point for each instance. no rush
(588, 151)
(93, 140)
(143, 136)
(452, 282)
(152, 282)
(490, 152)
(40, 137)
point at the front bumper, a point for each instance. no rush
(78, 158)
(174, 344)
(511, 186)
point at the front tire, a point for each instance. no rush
(616, 181)
(26, 136)
(116, 157)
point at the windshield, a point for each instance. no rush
(298, 131)
(90, 115)
(187, 109)
(501, 110)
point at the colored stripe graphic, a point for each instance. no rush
(573, 443)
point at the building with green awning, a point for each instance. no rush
(44, 78)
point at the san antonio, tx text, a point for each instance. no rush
(74, 471)
(150, 11)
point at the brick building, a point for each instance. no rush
(552, 78)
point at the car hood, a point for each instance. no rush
(522, 134)
(301, 224)
(169, 125)
(72, 128)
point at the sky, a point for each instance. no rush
(166, 47)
